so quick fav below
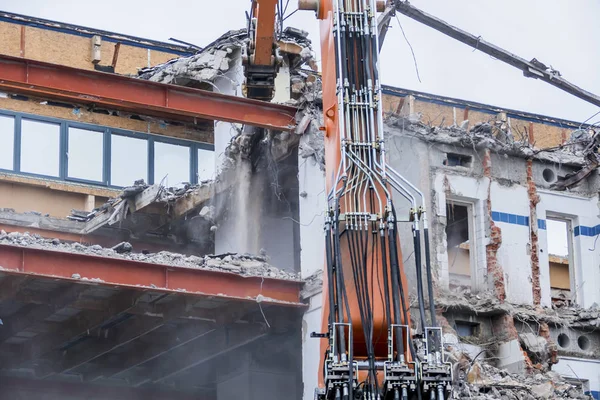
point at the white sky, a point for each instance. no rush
(558, 234)
(560, 33)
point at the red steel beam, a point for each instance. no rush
(137, 96)
(139, 275)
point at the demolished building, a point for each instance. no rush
(202, 279)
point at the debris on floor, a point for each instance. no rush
(242, 264)
(478, 380)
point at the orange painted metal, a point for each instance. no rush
(139, 275)
(51, 81)
(264, 11)
(332, 160)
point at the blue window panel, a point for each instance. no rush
(512, 219)
(504, 217)
(526, 221)
(584, 230)
(576, 231)
(521, 219)
(496, 216)
(541, 224)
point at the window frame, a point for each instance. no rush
(573, 256)
(107, 131)
(177, 142)
(61, 145)
(105, 155)
(132, 135)
(16, 149)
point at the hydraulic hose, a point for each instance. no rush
(429, 278)
(386, 289)
(339, 283)
(400, 284)
(421, 300)
(396, 289)
(330, 278)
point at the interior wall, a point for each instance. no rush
(23, 198)
(74, 50)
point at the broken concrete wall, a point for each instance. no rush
(521, 258)
(445, 111)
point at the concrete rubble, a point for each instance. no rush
(215, 59)
(486, 303)
(242, 264)
(496, 135)
(478, 380)
(204, 66)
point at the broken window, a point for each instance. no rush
(206, 164)
(85, 154)
(172, 162)
(7, 138)
(466, 328)
(559, 257)
(128, 160)
(40, 148)
(458, 160)
(459, 244)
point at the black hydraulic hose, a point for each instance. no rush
(368, 306)
(344, 294)
(386, 289)
(421, 300)
(400, 283)
(396, 289)
(339, 283)
(429, 278)
(330, 278)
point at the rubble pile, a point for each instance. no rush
(219, 56)
(204, 66)
(487, 303)
(242, 264)
(478, 380)
(494, 135)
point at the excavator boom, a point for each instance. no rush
(370, 351)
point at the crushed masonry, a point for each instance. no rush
(534, 199)
(495, 270)
(214, 60)
(486, 303)
(479, 380)
(241, 264)
(497, 137)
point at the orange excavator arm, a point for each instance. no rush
(261, 57)
(367, 341)
(369, 348)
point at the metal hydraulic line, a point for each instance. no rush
(365, 277)
(531, 69)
